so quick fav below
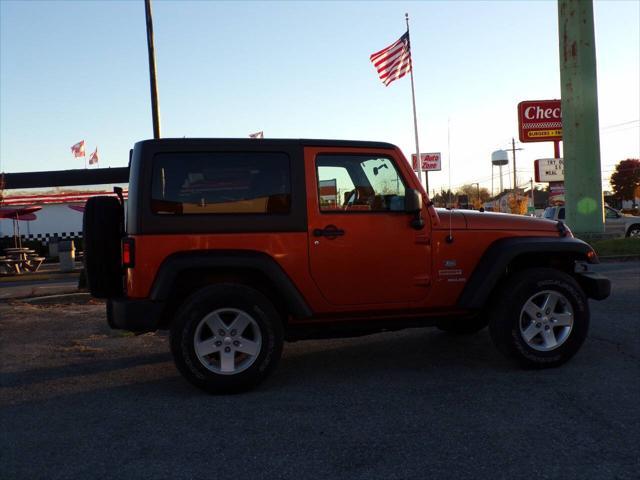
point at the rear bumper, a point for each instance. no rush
(594, 285)
(133, 315)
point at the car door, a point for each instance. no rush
(362, 247)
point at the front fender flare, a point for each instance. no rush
(501, 253)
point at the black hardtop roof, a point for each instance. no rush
(307, 142)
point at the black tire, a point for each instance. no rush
(220, 297)
(102, 230)
(507, 319)
(464, 326)
(634, 231)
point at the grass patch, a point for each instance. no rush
(617, 246)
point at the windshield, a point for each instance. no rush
(549, 212)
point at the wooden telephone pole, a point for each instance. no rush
(155, 111)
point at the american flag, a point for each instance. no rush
(393, 62)
(78, 149)
(93, 158)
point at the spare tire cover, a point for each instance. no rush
(102, 229)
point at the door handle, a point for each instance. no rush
(330, 231)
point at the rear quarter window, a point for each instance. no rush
(221, 183)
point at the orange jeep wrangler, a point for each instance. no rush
(237, 245)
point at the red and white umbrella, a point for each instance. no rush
(19, 214)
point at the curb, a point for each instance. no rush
(63, 298)
(619, 258)
(38, 277)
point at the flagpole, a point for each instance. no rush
(415, 117)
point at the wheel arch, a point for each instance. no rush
(183, 273)
(509, 255)
(631, 227)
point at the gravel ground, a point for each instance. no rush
(78, 400)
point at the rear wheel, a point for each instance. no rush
(634, 231)
(227, 338)
(542, 318)
(102, 230)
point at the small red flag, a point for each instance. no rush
(93, 158)
(78, 149)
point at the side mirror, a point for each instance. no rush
(412, 201)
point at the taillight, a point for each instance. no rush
(128, 252)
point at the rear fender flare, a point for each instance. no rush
(173, 265)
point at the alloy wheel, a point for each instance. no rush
(227, 341)
(546, 320)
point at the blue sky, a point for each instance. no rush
(72, 70)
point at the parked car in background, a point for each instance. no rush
(615, 222)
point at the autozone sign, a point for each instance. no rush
(430, 162)
(540, 121)
(549, 169)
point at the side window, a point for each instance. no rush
(334, 184)
(561, 213)
(610, 213)
(359, 183)
(220, 183)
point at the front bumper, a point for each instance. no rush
(596, 286)
(134, 315)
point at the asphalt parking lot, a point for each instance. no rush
(78, 400)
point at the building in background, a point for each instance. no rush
(62, 196)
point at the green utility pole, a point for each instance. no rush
(582, 177)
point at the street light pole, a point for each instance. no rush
(478, 189)
(152, 71)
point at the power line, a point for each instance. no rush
(619, 124)
(620, 130)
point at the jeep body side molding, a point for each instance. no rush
(226, 260)
(501, 253)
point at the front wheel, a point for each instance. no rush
(226, 338)
(541, 318)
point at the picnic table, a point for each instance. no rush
(16, 260)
